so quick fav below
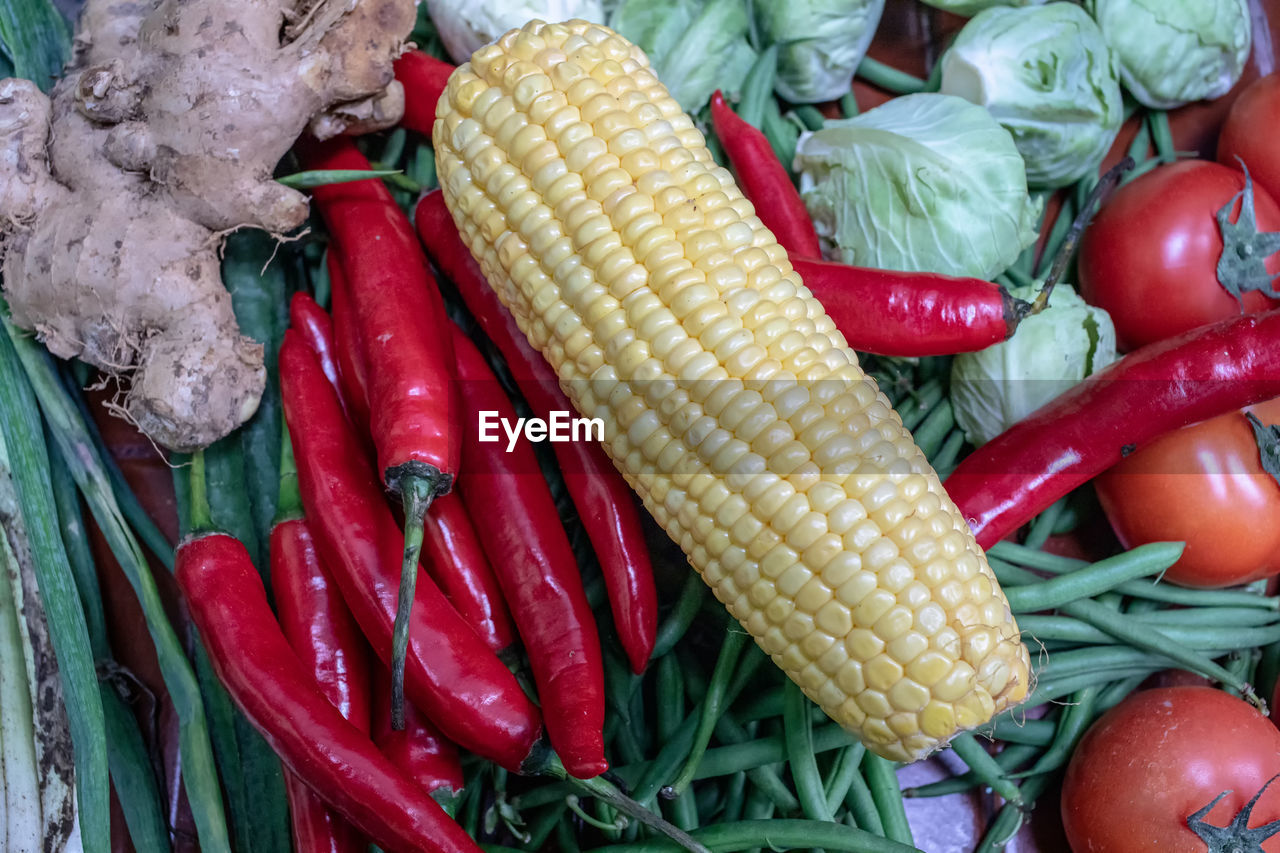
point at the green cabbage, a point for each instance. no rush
(466, 25)
(1046, 74)
(993, 389)
(695, 46)
(820, 44)
(973, 7)
(924, 183)
(1172, 52)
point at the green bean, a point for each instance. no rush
(670, 698)
(782, 134)
(1268, 669)
(1155, 641)
(1213, 637)
(945, 459)
(1009, 759)
(1044, 524)
(862, 805)
(567, 836)
(810, 117)
(845, 768)
(757, 87)
(1098, 659)
(1115, 692)
(984, 767)
(712, 706)
(541, 827)
(1140, 147)
(684, 811)
(673, 628)
(1076, 717)
(848, 104)
(890, 79)
(1162, 135)
(775, 834)
(1009, 728)
(882, 780)
(767, 703)
(1100, 577)
(735, 798)
(935, 428)
(759, 770)
(804, 768)
(1049, 689)
(1034, 558)
(1009, 819)
(917, 406)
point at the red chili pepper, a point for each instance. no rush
(352, 382)
(457, 563)
(602, 497)
(321, 632)
(451, 675)
(912, 314)
(424, 78)
(454, 558)
(764, 181)
(1149, 392)
(515, 515)
(402, 347)
(420, 751)
(280, 698)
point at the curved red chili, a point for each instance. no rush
(321, 632)
(1078, 435)
(515, 514)
(450, 674)
(402, 347)
(424, 78)
(764, 181)
(316, 326)
(886, 312)
(251, 657)
(456, 561)
(352, 382)
(420, 751)
(602, 497)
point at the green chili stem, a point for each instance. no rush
(416, 493)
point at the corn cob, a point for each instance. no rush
(732, 404)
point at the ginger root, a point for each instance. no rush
(116, 191)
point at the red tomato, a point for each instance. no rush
(1204, 485)
(1159, 757)
(1150, 257)
(1249, 133)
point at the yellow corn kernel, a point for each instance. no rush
(732, 404)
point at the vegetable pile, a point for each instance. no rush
(958, 392)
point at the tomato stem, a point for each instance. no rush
(1235, 837)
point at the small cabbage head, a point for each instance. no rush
(467, 25)
(973, 7)
(1047, 75)
(694, 46)
(1172, 52)
(820, 43)
(923, 183)
(993, 389)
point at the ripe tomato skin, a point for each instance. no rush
(1150, 256)
(1249, 133)
(1160, 756)
(1204, 485)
